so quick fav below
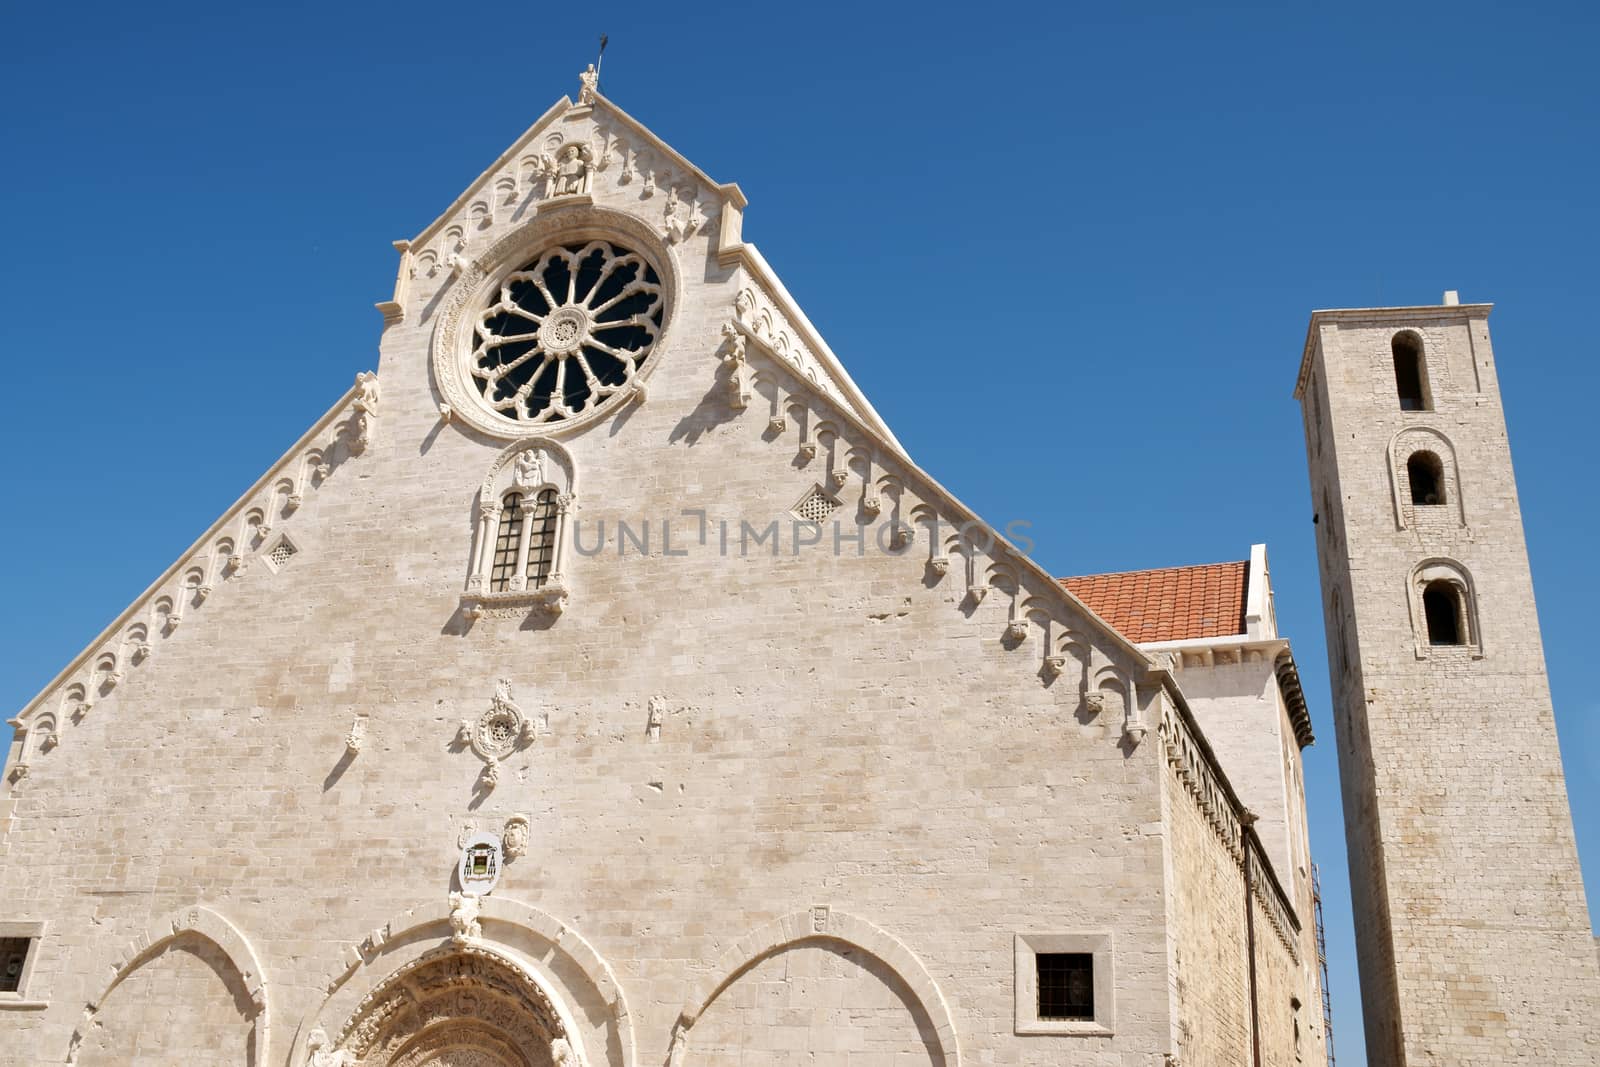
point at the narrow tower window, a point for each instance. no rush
(1441, 607)
(1426, 474)
(1410, 374)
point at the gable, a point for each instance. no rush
(632, 170)
(741, 340)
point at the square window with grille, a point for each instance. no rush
(1066, 985)
(281, 553)
(816, 505)
(13, 958)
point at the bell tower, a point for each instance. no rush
(1473, 935)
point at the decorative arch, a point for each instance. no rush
(540, 950)
(1440, 571)
(818, 924)
(202, 922)
(1402, 446)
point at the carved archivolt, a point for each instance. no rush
(817, 924)
(522, 974)
(201, 922)
(466, 997)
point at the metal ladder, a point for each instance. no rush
(1322, 962)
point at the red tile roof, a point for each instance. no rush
(1171, 604)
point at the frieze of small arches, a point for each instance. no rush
(1198, 778)
(251, 530)
(1444, 608)
(1425, 479)
(852, 471)
(560, 163)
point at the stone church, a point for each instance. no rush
(600, 684)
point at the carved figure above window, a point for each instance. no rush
(566, 333)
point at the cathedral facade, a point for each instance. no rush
(600, 684)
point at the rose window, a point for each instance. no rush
(567, 331)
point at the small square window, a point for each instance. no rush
(19, 958)
(13, 958)
(1066, 985)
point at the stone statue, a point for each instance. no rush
(590, 80)
(530, 469)
(318, 1054)
(367, 392)
(572, 170)
(658, 709)
(464, 917)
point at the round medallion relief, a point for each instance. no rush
(566, 333)
(497, 732)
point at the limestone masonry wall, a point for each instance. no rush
(1473, 930)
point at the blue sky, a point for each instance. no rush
(1069, 253)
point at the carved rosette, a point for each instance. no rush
(498, 733)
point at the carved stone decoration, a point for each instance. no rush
(464, 925)
(529, 469)
(498, 731)
(589, 86)
(658, 712)
(1054, 665)
(367, 392)
(1017, 630)
(462, 1004)
(514, 836)
(318, 1054)
(357, 737)
(572, 171)
(733, 357)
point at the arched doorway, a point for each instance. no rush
(457, 1006)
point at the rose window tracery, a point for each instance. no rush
(566, 331)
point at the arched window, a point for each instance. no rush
(518, 547)
(508, 539)
(1442, 610)
(1426, 475)
(1410, 372)
(541, 538)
